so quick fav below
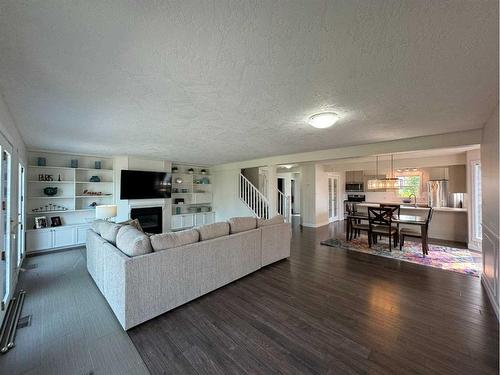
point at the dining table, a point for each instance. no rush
(420, 221)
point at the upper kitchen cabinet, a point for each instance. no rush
(354, 177)
(455, 174)
(457, 181)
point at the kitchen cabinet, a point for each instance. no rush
(53, 238)
(354, 177)
(457, 181)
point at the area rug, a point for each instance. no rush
(443, 257)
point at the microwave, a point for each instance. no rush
(354, 187)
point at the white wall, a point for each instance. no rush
(490, 207)
(226, 202)
(9, 131)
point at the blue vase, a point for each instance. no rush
(42, 162)
(74, 163)
(98, 164)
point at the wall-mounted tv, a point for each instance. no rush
(145, 185)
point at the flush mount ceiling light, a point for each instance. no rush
(323, 120)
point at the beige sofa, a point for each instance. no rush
(165, 276)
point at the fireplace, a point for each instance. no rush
(150, 218)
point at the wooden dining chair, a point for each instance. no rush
(355, 226)
(408, 232)
(380, 224)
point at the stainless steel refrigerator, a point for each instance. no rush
(437, 193)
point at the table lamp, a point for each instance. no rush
(105, 211)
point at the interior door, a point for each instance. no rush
(333, 198)
(5, 222)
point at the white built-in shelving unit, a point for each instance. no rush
(191, 196)
(73, 202)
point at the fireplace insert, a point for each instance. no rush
(150, 218)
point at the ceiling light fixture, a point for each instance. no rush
(387, 183)
(323, 120)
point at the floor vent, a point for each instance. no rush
(9, 325)
(25, 321)
(30, 266)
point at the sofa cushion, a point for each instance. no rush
(209, 231)
(242, 224)
(109, 231)
(96, 226)
(132, 241)
(134, 222)
(278, 219)
(170, 240)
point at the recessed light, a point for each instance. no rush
(323, 120)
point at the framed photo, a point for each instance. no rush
(40, 222)
(55, 221)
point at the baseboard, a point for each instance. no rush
(489, 292)
(310, 225)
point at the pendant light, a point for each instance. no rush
(387, 183)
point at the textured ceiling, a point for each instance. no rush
(220, 81)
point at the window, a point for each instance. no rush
(411, 185)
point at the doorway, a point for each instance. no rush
(333, 198)
(281, 201)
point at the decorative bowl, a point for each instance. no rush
(50, 191)
(406, 200)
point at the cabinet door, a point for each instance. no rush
(349, 177)
(358, 177)
(199, 219)
(64, 237)
(209, 217)
(176, 221)
(81, 234)
(187, 221)
(38, 239)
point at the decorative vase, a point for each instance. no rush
(50, 191)
(98, 164)
(74, 163)
(42, 162)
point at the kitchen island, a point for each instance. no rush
(448, 223)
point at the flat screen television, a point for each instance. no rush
(145, 185)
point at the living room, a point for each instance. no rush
(238, 187)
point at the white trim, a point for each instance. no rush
(491, 297)
(310, 225)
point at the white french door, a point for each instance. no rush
(5, 223)
(333, 198)
(20, 214)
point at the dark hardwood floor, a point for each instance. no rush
(327, 310)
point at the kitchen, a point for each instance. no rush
(444, 179)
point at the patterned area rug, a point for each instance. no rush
(444, 257)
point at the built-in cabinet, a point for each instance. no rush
(191, 196)
(54, 238)
(184, 221)
(67, 187)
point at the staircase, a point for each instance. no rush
(259, 204)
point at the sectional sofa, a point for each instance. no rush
(143, 276)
